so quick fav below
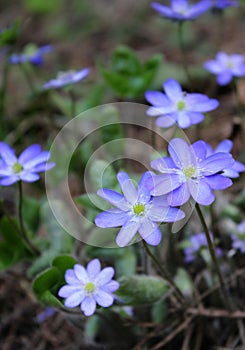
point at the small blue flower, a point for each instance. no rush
(24, 168)
(34, 55)
(238, 238)
(226, 67)
(136, 211)
(67, 78)
(88, 287)
(196, 243)
(182, 10)
(189, 172)
(222, 4)
(177, 106)
(226, 146)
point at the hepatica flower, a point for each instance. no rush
(136, 211)
(226, 67)
(222, 4)
(88, 287)
(182, 10)
(25, 167)
(226, 146)
(189, 172)
(177, 106)
(32, 54)
(238, 238)
(67, 78)
(196, 244)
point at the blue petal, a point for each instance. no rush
(93, 268)
(144, 195)
(114, 198)
(75, 299)
(201, 192)
(179, 196)
(217, 182)
(224, 78)
(127, 187)
(224, 146)
(165, 183)
(29, 153)
(150, 232)
(111, 218)
(181, 153)
(104, 299)
(184, 120)
(165, 121)
(29, 177)
(126, 233)
(39, 159)
(216, 162)
(7, 154)
(88, 306)
(7, 181)
(173, 90)
(157, 98)
(200, 149)
(105, 276)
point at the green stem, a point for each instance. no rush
(183, 51)
(27, 77)
(23, 233)
(73, 103)
(164, 274)
(212, 251)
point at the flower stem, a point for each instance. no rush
(23, 233)
(3, 92)
(27, 77)
(212, 251)
(165, 274)
(183, 52)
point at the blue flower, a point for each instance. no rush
(33, 55)
(181, 10)
(226, 67)
(226, 146)
(189, 172)
(222, 4)
(136, 211)
(88, 287)
(238, 238)
(196, 243)
(176, 106)
(67, 78)
(26, 167)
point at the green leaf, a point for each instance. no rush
(63, 263)
(9, 35)
(159, 311)
(31, 213)
(102, 174)
(126, 264)
(184, 282)
(141, 289)
(42, 7)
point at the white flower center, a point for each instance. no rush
(190, 173)
(139, 209)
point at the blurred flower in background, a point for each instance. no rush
(31, 54)
(67, 78)
(238, 238)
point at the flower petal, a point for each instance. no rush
(179, 196)
(114, 198)
(216, 162)
(104, 299)
(93, 268)
(105, 276)
(88, 306)
(165, 121)
(127, 187)
(7, 154)
(29, 177)
(126, 233)
(173, 90)
(7, 181)
(81, 273)
(112, 286)
(165, 183)
(201, 192)
(75, 299)
(29, 153)
(43, 157)
(67, 291)
(150, 232)
(217, 182)
(71, 278)
(112, 218)
(181, 153)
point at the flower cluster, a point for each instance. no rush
(25, 167)
(88, 287)
(177, 106)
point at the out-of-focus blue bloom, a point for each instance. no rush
(177, 106)
(238, 238)
(226, 67)
(189, 172)
(222, 4)
(226, 146)
(88, 287)
(48, 312)
(24, 168)
(34, 55)
(67, 78)
(182, 10)
(136, 211)
(197, 242)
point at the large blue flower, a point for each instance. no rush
(26, 167)
(34, 56)
(189, 172)
(67, 78)
(177, 106)
(136, 211)
(226, 146)
(182, 10)
(226, 67)
(88, 287)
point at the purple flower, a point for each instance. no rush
(26, 167)
(238, 238)
(48, 312)
(181, 10)
(177, 106)
(196, 243)
(226, 67)
(189, 172)
(226, 146)
(136, 211)
(222, 4)
(67, 78)
(33, 55)
(88, 287)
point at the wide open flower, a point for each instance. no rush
(136, 211)
(25, 167)
(226, 67)
(189, 172)
(88, 287)
(182, 10)
(67, 78)
(177, 106)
